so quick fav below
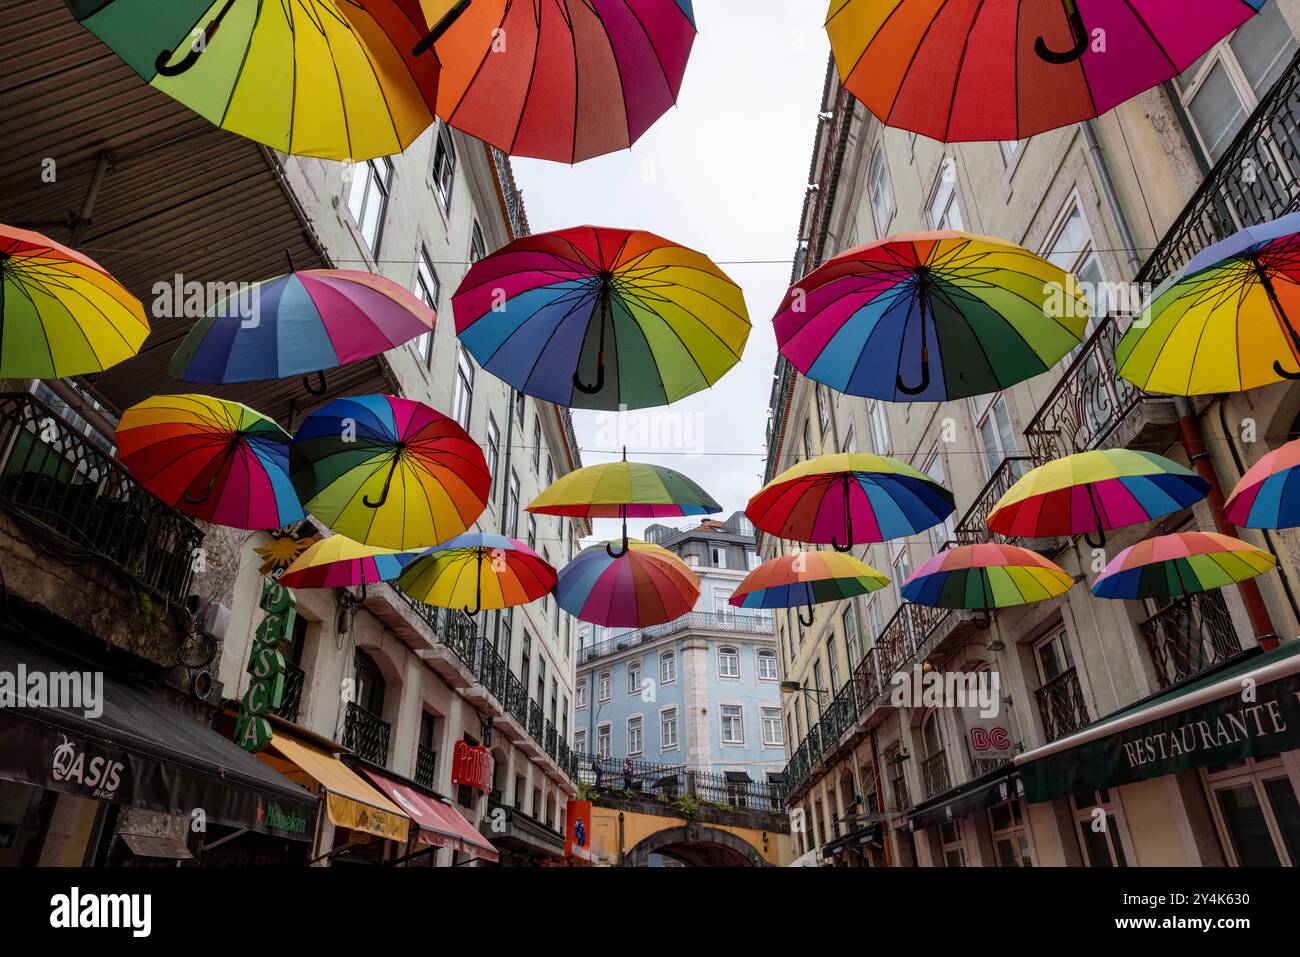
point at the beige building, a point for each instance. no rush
(1132, 195)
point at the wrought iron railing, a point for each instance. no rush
(366, 734)
(493, 672)
(1061, 705)
(670, 781)
(632, 775)
(80, 501)
(902, 795)
(536, 721)
(973, 528)
(735, 622)
(426, 765)
(291, 698)
(934, 774)
(1190, 635)
(452, 629)
(550, 738)
(516, 700)
(738, 792)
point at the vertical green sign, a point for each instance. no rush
(266, 666)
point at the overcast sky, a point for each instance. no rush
(723, 173)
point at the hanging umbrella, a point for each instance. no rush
(1093, 492)
(61, 313)
(561, 80)
(339, 562)
(1268, 495)
(300, 323)
(389, 471)
(646, 585)
(1008, 70)
(1180, 564)
(1227, 322)
(984, 577)
(216, 460)
(851, 497)
(806, 578)
(930, 316)
(490, 571)
(624, 490)
(331, 78)
(604, 319)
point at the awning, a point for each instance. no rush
(983, 792)
(1250, 709)
(855, 839)
(141, 751)
(519, 833)
(349, 801)
(438, 823)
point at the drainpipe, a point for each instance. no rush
(880, 797)
(1097, 160)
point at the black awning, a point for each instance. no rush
(738, 777)
(141, 751)
(855, 839)
(989, 789)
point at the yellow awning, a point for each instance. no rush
(349, 801)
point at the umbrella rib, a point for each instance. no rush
(956, 76)
(911, 60)
(663, 71)
(532, 76)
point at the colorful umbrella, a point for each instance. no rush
(492, 571)
(646, 585)
(624, 490)
(216, 460)
(389, 471)
(1008, 70)
(864, 498)
(1227, 322)
(339, 562)
(61, 313)
(603, 319)
(300, 323)
(330, 78)
(984, 577)
(560, 80)
(1181, 564)
(806, 578)
(1268, 495)
(1095, 491)
(930, 316)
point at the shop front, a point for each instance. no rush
(438, 824)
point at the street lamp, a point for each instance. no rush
(794, 687)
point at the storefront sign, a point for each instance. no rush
(577, 841)
(472, 766)
(266, 666)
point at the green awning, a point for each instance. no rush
(1249, 709)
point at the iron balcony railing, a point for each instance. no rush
(493, 674)
(291, 699)
(1189, 635)
(737, 622)
(740, 792)
(516, 700)
(899, 790)
(1061, 706)
(77, 500)
(550, 739)
(536, 722)
(934, 774)
(452, 629)
(671, 781)
(631, 775)
(973, 528)
(366, 734)
(426, 765)
(980, 766)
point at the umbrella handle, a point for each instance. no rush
(441, 27)
(1285, 374)
(478, 589)
(835, 544)
(1095, 542)
(197, 48)
(388, 482)
(609, 550)
(924, 384)
(600, 379)
(319, 387)
(207, 492)
(812, 616)
(1080, 47)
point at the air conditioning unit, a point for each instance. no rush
(213, 619)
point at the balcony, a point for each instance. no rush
(730, 622)
(366, 734)
(291, 699)
(1190, 635)
(448, 640)
(426, 766)
(898, 788)
(1060, 705)
(934, 774)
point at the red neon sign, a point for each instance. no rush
(472, 766)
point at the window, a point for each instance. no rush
(807, 443)
(733, 724)
(718, 556)
(833, 661)
(550, 472)
(1053, 656)
(667, 668)
(772, 728)
(633, 677)
(463, 399)
(850, 441)
(1010, 836)
(668, 730)
(996, 437)
(635, 737)
(875, 621)
(879, 428)
(532, 531)
(368, 200)
(882, 192)
(527, 647)
(1072, 250)
(580, 741)
(580, 694)
(1098, 829)
(604, 740)
(945, 531)
(604, 686)
(902, 570)
(519, 408)
(954, 847)
(444, 165)
(751, 559)
(1256, 810)
(537, 444)
(823, 410)
(512, 509)
(766, 665)
(477, 248)
(493, 452)
(728, 662)
(944, 211)
(852, 640)
(427, 288)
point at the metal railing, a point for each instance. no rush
(426, 765)
(291, 698)
(550, 738)
(536, 721)
(493, 673)
(742, 793)
(1190, 635)
(973, 528)
(366, 734)
(668, 782)
(737, 622)
(899, 790)
(452, 629)
(934, 774)
(632, 775)
(516, 700)
(1061, 706)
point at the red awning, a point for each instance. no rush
(439, 824)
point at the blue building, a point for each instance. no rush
(700, 692)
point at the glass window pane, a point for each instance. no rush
(1282, 799)
(1247, 827)
(1217, 111)
(1264, 45)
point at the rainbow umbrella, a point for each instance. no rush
(984, 577)
(930, 316)
(645, 585)
(806, 578)
(604, 319)
(1268, 495)
(330, 78)
(389, 471)
(216, 460)
(864, 498)
(1095, 491)
(624, 490)
(61, 313)
(494, 571)
(1227, 322)
(560, 80)
(300, 323)
(1180, 564)
(339, 562)
(1010, 69)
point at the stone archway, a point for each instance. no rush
(696, 845)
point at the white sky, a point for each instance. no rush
(723, 173)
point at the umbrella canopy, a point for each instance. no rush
(930, 316)
(645, 585)
(596, 318)
(849, 499)
(478, 572)
(329, 78)
(984, 577)
(1180, 564)
(300, 323)
(389, 471)
(1227, 322)
(560, 80)
(1093, 492)
(1268, 495)
(61, 313)
(339, 562)
(1008, 70)
(806, 578)
(216, 460)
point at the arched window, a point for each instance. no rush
(931, 735)
(767, 665)
(728, 662)
(667, 668)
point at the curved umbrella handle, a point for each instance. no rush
(197, 48)
(835, 544)
(812, 616)
(600, 379)
(924, 384)
(1080, 47)
(1099, 542)
(207, 492)
(609, 550)
(1101, 526)
(478, 588)
(848, 520)
(319, 388)
(1284, 373)
(441, 27)
(388, 483)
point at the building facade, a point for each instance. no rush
(1129, 197)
